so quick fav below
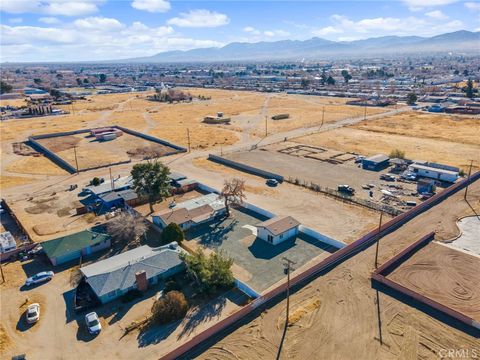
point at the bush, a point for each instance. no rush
(172, 307)
(397, 153)
(171, 285)
(172, 232)
(95, 181)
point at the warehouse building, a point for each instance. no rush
(436, 173)
(375, 162)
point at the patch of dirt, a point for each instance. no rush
(46, 229)
(60, 143)
(20, 148)
(5, 341)
(149, 151)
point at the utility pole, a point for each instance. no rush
(188, 139)
(378, 239)
(468, 180)
(288, 268)
(323, 116)
(76, 160)
(365, 112)
(266, 126)
(112, 184)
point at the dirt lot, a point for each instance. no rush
(319, 168)
(446, 139)
(352, 316)
(93, 153)
(448, 276)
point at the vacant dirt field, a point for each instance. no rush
(446, 275)
(92, 153)
(351, 317)
(370, 143)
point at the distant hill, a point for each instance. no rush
(316, 48)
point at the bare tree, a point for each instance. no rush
(233, 193)
(127, 227)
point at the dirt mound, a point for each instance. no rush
(149, 151)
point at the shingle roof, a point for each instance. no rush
(377, 158)
(118, 272)
(70, 243)
(182, 215)
(279, 224)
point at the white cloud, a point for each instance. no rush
(199, 18)
(49, 20)
(276, 33)
(382, 26)
(436, 14)
(153, 6)
(472, 6)
(92, 38)
(327, 31)
(16, 20)
(98, 24)
(417, 5)
(51, 7)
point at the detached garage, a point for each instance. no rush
(72, 247)
(278, 229)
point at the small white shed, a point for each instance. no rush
(277, 229)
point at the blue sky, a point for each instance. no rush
(65, 30)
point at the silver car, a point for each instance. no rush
(93, 323)
(33, 313)
(39, 278)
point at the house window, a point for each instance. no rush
(281, 236)
(270, 238)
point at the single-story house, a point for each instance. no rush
(278, 229)
(7, 242)
(375, 162)
(119, 198)
(134, 269)
(120, 183)
(71, 247)
(192, 212)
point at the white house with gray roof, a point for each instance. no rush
(115, 276)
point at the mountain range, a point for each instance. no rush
(317, 49)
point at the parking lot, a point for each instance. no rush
(261, 263)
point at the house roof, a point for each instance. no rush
(118, 272)
(120, 183)
(182, 215)
(279, 224)
(433, 169)
(377, 158)
(70, 243)
(176, 176)
(127, 194)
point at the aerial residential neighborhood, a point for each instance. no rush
(239, 180)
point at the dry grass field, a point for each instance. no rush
(450, 140)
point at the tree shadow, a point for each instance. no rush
(154, 334)
(202, 314)
(214, 234)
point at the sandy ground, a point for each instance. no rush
(61, 334)
(352, 316)
(445, 275)
(370, 143)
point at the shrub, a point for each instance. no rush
(95, 181)
(172, 307)
(397, 153)
(172, 232)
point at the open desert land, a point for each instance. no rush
(447, 276)
(340, 316)
(451, 140)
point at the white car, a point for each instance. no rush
(33, 313)
(39, 278)
(93, 323)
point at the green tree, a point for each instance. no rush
(469, 89)
(85, 81)
(151, 180)
(305, 83)
(346, 76)
(330, 80)
(102, 78)
(173, 306)
(411, 98)
(172, 232)
(4, 87)
(211, 273)
(55, 93)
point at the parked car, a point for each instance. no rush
(346, 189)
(39, 278)
(33, 313)
(272, 182)
(409, 176)
(387, 177)
(93, 323)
